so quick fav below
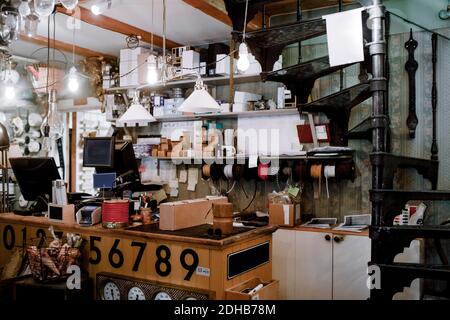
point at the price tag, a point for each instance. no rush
(293, 191)
(253, 161)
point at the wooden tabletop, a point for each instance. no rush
(124, 232)
(364, 233)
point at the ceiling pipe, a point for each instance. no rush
(445, 14)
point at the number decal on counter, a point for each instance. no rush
(9, 237)
(189, 267)
(40, 233)
(24, 236)
(163, 261)
(98, 252)
(115, 252)
(137, 262)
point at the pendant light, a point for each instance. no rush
(24, 8)
(243, 63)
(101, 6)
(136, 115)
(200, 100)
(69, 4)
(44, 8)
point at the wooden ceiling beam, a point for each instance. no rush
(63, 46)
(207, 8)
(117, 26)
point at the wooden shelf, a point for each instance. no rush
(229, 115)
(261, 158)
(188, 83)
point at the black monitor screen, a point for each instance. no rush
(98, 152)
(34, 176)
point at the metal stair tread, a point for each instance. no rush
(346, 98)
(285, 34)
(309, 70)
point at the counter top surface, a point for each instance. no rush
(364, 233)
(149, 233)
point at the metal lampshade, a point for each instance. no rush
(4, 138)
(200, 100)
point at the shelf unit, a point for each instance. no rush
(190, 82)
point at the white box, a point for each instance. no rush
(223, 64)
(239, 107)
(225, 107)
(158, 111)
(124, 68)
(244, 97)
(190, 59)
(202, 68)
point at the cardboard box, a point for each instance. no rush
(269, 291)
(190, 59)
(284, 214)
(244, 97)
(187, 213)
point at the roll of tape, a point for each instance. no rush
(316, 174)
(263, 171)
(329, 172)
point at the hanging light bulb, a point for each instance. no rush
(243, 63)
(24, 8)
(152, 70)
(44, 8)
(200, 100)
(136, 115)
(100, 7)
(72, 83)
(69, 4)
(10, 91)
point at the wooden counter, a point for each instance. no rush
(192, 263)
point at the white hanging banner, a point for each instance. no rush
(345, 37)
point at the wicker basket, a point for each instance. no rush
(49, 263)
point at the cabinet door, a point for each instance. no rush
(283, 262)
(313, 254)
(351, 255)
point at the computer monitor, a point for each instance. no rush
(35, 176)
(121, 160)
(98, 152)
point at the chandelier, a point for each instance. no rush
(14, 12)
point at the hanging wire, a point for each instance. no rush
(151, 39)
(245, 21)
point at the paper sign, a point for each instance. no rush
(173, 184)
(191, 186)
(193, 175)
(321, 133)
(345, 37)
(183, 176)
(174, 192)
(253, 161)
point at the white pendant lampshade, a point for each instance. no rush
(200, 100)
(135, 116)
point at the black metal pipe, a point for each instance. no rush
(434, 146)
(299, 17)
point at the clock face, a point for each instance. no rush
(136, 293)
(162, 296)
(111, 291)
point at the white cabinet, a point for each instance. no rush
(313, 265)
(319, 265)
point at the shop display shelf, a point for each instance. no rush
(189, 83)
